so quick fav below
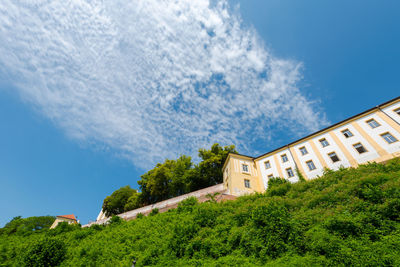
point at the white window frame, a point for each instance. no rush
(345, 133)
(324, 142)
(247, 168)
(389, 138)
(373, 123)
(270, 176)
(358, 145)
(284, 158)
(330, 155)
(247, 183)
(311, 165)
(267, 164)
(290, 172)
(303, 150)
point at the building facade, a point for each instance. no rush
(70, 219)
(372, 135)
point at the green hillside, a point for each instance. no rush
(347, 217)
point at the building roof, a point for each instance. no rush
(70, 216)
(333, 125)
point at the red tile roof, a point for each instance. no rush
(70, 216)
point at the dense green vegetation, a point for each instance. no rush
(21, 226)
(345, 218)
(170, 179)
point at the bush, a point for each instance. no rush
(115, 220)
(187, 204)
(154, 212)
(348, 217)
(45, 252)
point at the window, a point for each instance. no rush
(267, 164)
(397, 111)
(270, 176)
(373, 123)
(389, 138)
(303, 150)
(246, 183)
(245, 168)
(289, 172)
(284, 158)
(360, 148)
(334, 157)
(310, 165)
(324, 142)
(347, 133)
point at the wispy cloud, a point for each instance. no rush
(150, 78)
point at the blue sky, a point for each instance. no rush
(92, 95)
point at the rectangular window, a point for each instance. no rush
(310, 165)
(289, 172)
(303, 150)
(389, 138)
(267, 164)
(270, 176)
(246, 183)
(245, 168)
(347, 133)
(284, 158)
(334, 157)
(324, 142)
(373, 123)
(360, 148)
(397, 111)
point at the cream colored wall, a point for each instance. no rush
(58, 220)
(274, 170)
(311, 155)
(389, 110)
(385, 148)
(332, 147)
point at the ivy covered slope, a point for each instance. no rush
(347, 217)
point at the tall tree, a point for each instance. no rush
(115, 204)
(209, 171)
(166, 180)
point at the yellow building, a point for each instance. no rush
(372, 135)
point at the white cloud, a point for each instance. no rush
(150, 78)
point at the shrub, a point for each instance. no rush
(348, 217)
(45, 252)
(187, 204)
(115, 220)
(154, 212)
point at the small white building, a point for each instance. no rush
(70, 219)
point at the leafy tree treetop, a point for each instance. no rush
(115, 203)
(26, 226)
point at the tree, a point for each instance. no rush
(166, 180)
(26, 226)
(209, 171)
(115, 204)
(170, 179)
(134, 202)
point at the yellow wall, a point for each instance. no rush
(235, 178)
